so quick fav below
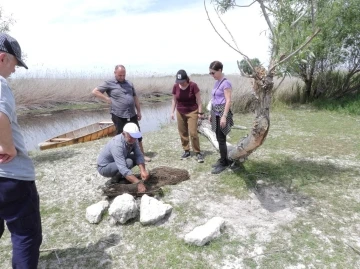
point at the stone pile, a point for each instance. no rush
(124, 207)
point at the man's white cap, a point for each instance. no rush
(132, 129)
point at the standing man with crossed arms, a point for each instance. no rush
(123, 100)
(19, 199)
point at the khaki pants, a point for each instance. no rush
(187, 125)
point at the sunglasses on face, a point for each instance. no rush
(212, 73)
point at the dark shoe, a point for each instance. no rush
(115, 180)
(218, 169)
(216, 164)
(185, 155)
(230, 162)
(200, 157)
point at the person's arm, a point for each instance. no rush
(141, 187)
(101, 95)
(7, 147)
(173, 106)
(227, 93)
(144, 174)
(198, 101)
(118, 154)
(137, 106)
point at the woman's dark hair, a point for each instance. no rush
(216, 65)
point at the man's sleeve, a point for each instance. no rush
(133, 88)
(139, 157)
(103, 87)
(5, 109)
(118, 153)
(5, 104)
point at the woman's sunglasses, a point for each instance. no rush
(212, 73)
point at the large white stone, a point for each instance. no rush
(123, 208)
(205, 233)
(94, 212)
(152, 210)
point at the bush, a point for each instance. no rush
(335, 84)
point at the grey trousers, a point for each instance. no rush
(111, 169)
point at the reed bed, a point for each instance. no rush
(35, 92)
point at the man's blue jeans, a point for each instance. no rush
(19, 207)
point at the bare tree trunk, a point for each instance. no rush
(263, 86)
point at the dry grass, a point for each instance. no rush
(34, 92)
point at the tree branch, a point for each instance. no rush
(296, 51)
(312, 15)
(207, 14)
(233, 39)
(278, 86)
(242, 72)
(263, 9)
(297, 20)
(247, 5)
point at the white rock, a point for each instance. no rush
(123, 208)
(205, 233)
(152, 210)
(112, 221)
(95, 211)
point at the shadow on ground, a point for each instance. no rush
(276, 185)
(91, 256)
(52, 156)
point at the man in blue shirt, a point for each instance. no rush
(120, 154)
(19, 199)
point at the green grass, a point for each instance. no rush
(347, 105)
(310, 159)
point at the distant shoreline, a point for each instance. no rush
(146, 98)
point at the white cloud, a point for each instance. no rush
(79, 35)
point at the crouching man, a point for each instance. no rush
(120, 155)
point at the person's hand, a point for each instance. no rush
(172, 116)
(201, 116)
(5, 158)
(141, 187)
(223, 122)
(139, 116)
(8, 155)
(145, 175)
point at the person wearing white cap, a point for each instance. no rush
(120, 155)
(19, 199)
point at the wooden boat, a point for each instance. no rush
(88, 133)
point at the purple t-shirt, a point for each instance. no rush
(186, 99)
(217, 94)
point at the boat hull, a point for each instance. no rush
(85, 134)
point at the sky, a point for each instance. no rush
(149, 37)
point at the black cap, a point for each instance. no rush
(181, 76)
(10, 45)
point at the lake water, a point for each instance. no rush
(39, 128)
